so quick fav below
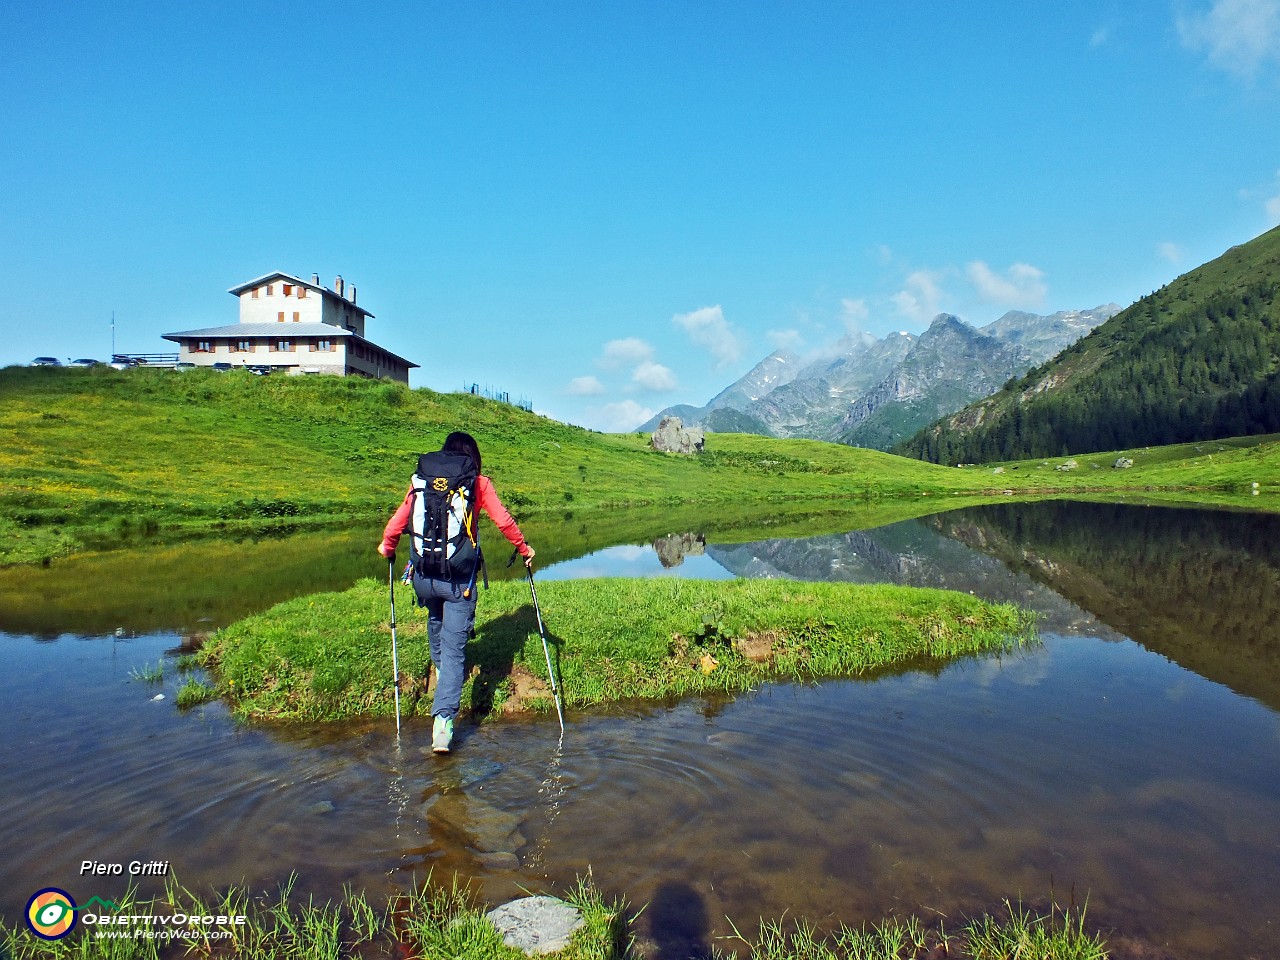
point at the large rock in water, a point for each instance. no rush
(672, 436)
(536, 924)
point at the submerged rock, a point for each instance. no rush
(474, 769)
(499, 861)
(536, 925)
(472, 822)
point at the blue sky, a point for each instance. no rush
(607, 208)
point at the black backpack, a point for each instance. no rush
(444, 541)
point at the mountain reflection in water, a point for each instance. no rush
(1200, 587)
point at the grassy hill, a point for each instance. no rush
(1197, 360)
(100, 458)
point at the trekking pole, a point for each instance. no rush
(546, 652)
(395, 660)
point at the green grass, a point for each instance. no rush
(147, 673)
(433, 923)
(449, 923)
(195, 692)
(1055, 936)
(328, 656)
(104, 458)
(1021, 935)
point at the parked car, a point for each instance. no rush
(46, 362)
(184, 365)
(223, 366)
(124, 363)
(84, 362)
(260, 369)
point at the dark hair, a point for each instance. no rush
(458, 442)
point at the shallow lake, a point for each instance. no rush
(1133, 758)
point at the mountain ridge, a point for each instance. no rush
(867, 391)
(1198, 359)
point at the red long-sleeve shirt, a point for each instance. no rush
(486, 500)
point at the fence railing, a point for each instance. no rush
(502, 396)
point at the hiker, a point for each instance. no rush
(446, 560)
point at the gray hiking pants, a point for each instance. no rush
(450, 618)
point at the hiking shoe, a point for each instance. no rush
(442, 734)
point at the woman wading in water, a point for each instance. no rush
(439, 512)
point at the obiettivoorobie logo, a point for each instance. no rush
(51, 913)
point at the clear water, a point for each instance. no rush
(1133, 758)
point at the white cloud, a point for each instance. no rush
(708, 328)
(624, 352)
(919, 301)
(853, 314)
(621, 417)
(1171, 252)
(792, 340)
(1022, 285)
(1100, 38)
(1237, 35)
(654, 376)
(584, 387)
(1268, 196)
(1272, 204)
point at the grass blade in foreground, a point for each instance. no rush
(444, 923)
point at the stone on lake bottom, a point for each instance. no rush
(536, 924)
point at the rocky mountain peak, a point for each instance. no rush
(871, 391)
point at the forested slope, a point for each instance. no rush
(1197, 360)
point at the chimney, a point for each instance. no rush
(337, 286)
(353, 293)
(315, 279)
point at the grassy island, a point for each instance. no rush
(328, 656)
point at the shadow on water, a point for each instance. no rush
(676, 924)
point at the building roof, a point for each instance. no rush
(323, 291)
(284, 331)
(271, 328)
